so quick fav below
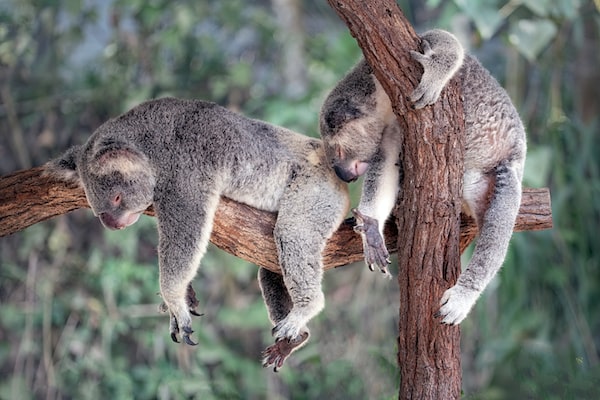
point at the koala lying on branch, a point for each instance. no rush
(362, 135)
(181, 156)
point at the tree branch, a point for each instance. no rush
(27, 197)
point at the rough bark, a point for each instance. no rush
(429, 206)
(27, 197)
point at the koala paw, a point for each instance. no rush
(187, 331)
(456, 304)
(182, 321)
(428, 91)
(375, 252)
(424, 95)
(277, 353)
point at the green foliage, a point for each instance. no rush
(532, 24)
(79, 304)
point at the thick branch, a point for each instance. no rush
(26, 198)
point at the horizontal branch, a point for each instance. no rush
(27, 197)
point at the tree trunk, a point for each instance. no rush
(428, 212)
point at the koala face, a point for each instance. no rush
(351, 148)
(116, 200)
(352, 125)
(119, 185)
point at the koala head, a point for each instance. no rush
(352, 123)
(118, 180)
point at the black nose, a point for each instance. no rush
(344, 174)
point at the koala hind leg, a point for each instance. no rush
(279, 304)
(495, 230)
(309, 212)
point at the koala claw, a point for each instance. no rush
(376, 254)
(192, 302)
(187, 331)
(277, 353)
(456, 304)
(186, 336)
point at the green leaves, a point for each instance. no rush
(532, 36)
(484, 14)
(531, 25)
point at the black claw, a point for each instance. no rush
(194, 312)
(174, 337)
(186, 336)
(188, 341)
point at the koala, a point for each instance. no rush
(361, 136)
(181, 156)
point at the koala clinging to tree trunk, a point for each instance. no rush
(362, 136)
(181, 156)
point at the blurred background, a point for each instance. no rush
(78, 312)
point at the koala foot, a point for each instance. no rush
(187, 331)
(456, 304)
(277, 353)
(174, 326)
(376, 254)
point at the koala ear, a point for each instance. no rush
(64, 167)
(112, 156)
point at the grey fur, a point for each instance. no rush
(181, 156)
(368, 141)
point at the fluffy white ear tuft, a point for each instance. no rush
(64, 167)
(112, 156)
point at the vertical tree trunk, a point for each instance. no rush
(428, 210)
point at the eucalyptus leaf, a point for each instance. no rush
(531, 36)
(539, 7)
(484, 14)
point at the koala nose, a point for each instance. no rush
(344, 174)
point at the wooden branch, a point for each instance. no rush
(27, 197)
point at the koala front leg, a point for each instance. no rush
(379, 193)
(184, 226)
(442, 56)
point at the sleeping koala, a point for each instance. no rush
(181, 156)
(361, 136)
